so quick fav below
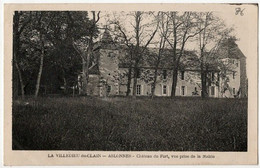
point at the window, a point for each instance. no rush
(212, 90)
(212, 76)
(138, 89)
(151, 89)
(108, 88)
(234, 91)
(138, 73)
(111, 54)
(182, 90)
(164, 89)
(233, 61)
(182, 75)
(237, 64)
(234, 75)
(218, 77)
(164, 74)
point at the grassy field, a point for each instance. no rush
(142, 124)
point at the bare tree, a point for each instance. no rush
(137, 40)
(163, 33)
(209, 39)
(120, 33)
(182, 28)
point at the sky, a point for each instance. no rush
(241, 28)
(231, 18)
(241, 21)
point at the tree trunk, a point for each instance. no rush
(64, 80)
(129, 78)
(156, 69)
(135, 83)
(175, 68)
(154, 81)
(20, 79)
(174, 82)
(204, 93)
(40, 69)
(15, 52)
(16, 48)
(85, 68)
(135, 79)
(15, 82)
(84, 78)
(203, 84)
(65, 85)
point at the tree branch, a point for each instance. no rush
(98, 17)
(78, 51)
(25, 23)
(151, 37)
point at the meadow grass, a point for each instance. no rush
(126, 124)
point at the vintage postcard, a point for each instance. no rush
(130, 84)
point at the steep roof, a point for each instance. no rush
(189, 61)
(106, 38)
(229, 49)
(166, 62)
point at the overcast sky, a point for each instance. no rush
(238, 22)
(241, 28)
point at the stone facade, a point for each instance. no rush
(112, 78)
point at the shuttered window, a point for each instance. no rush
(138, 89)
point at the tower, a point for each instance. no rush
(108, 66)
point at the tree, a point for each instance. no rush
(42, 23)
(163, 27)
(182, 28)
(66, 28)
(209, 39)
(137, 40)
(120, 33)
(44, 36)
(88, 51)
(20, 21)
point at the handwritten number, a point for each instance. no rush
(239, 11)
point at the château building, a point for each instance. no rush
(109, 76)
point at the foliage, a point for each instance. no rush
(155, 39)
(58, 30)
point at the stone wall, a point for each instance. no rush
(109, 74)
(93, 85)
(243, 77)
(191, 83)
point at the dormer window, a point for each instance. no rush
(212, 76)
(164, 74)
(138, 73)
(110, 54)
(182, 75)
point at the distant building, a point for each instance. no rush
(109, 75)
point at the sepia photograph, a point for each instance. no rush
(130, 80)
